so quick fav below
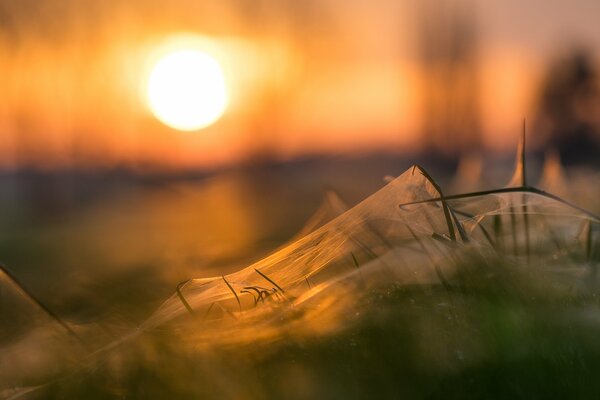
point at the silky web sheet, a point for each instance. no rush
(384, 239)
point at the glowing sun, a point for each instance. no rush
(186, 90)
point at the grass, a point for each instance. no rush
(494, 331)
(487, 294)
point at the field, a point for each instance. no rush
(408, 293)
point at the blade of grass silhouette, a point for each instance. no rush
(259, 292)
(442, 199)
(252, 294)
(486, 234)
(269, 280)
(182, 298)
(519, 179)
(234, 293)
(461, 231)
(38, 303)
(435, 235)
(526, 189)
(307, 282)
(278, 295)
(453, 219)
(431, 221)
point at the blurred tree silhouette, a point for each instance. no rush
(448, 36)
(568, 109)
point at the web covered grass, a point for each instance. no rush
(409, 293)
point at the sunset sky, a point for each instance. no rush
(303, 77)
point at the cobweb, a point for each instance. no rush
(361, 234)
(407, 233)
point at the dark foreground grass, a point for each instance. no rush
(497, 330)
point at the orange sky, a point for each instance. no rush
(316, 77)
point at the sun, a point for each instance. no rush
(186, 90)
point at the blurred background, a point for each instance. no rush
(304, 78)
(99, 200)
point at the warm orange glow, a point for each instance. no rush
(300, 79)
(186, 90)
